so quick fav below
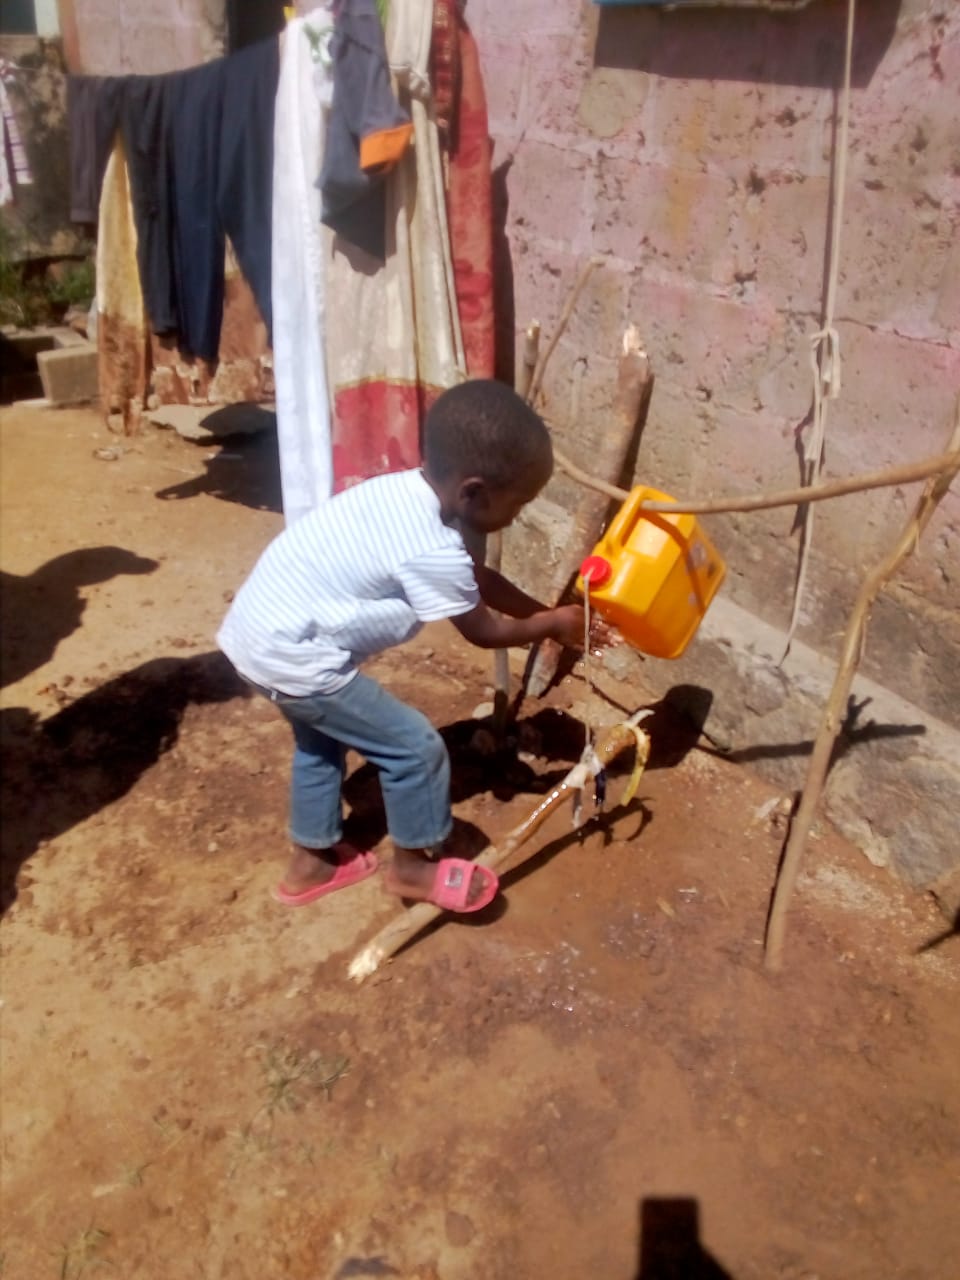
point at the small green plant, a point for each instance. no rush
(75, 287)
(287, 1069)
(31, 293)
(288, 1072)
(15, 303)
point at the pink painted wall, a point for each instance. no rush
(143, 36)
(694, 150)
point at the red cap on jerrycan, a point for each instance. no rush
(596, 570)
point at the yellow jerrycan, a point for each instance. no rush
(652, 575)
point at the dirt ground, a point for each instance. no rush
(594, 1079)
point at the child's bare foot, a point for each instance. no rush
(310, 867)
(462, 886)
(314, 872)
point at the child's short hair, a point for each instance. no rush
(483, 428)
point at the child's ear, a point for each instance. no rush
(472, 490)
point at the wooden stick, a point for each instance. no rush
(537, 380)
(909, 472)
(406, 926)
(528, 364)
(613, 450)
(833, 712)
(494, 557)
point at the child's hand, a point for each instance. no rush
(568, 625)
(603, 636)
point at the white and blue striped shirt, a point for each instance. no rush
(361, 573)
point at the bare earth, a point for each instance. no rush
(594, 1080)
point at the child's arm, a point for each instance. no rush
(499, 593)
(489, 630)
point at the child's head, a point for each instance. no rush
(485, 452)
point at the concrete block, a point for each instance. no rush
(662, 211)
(22, 346)
(898, 253)
(69, 374)
(64, 337)
(540, 174)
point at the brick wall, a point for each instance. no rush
(141, 36)
(694, 150)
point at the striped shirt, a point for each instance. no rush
(359, 574)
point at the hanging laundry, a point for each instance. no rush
(91, 132)
(123, 338)
(397, 341)
(141, 106)
(199, 150)
(367, 130)
(220, 139)
(469, 190)
(303, 410)
(15, 167)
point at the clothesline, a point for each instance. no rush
(305, 163)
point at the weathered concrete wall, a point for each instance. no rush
(695, 149)
(36, 222)
(107, 38)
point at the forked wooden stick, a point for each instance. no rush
(536, 382)
(833, 712)
(403, 927)
(614, 447)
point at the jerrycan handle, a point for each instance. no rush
(623, 523)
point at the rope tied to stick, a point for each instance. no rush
(825, 343)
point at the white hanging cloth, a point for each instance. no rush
(303, 407)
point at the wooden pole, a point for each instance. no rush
(494, 556)
(528, 363)
(613, 449)
(536, 381)
(887, 478)
(833, 712)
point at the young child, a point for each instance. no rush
(360, 574)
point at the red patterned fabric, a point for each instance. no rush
(445, 66)
(379, 447)
(469, 212)
(388, 328)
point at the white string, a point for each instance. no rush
(825, 343)
(587, 673)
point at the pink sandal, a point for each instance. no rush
(354, 867)
(451, 885)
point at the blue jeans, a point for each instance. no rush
(410, 755)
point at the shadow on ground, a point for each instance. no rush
(851, 733)
(245, 469)
(60, 771)
(670, 1246)
(44, 607)
(551, 736)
